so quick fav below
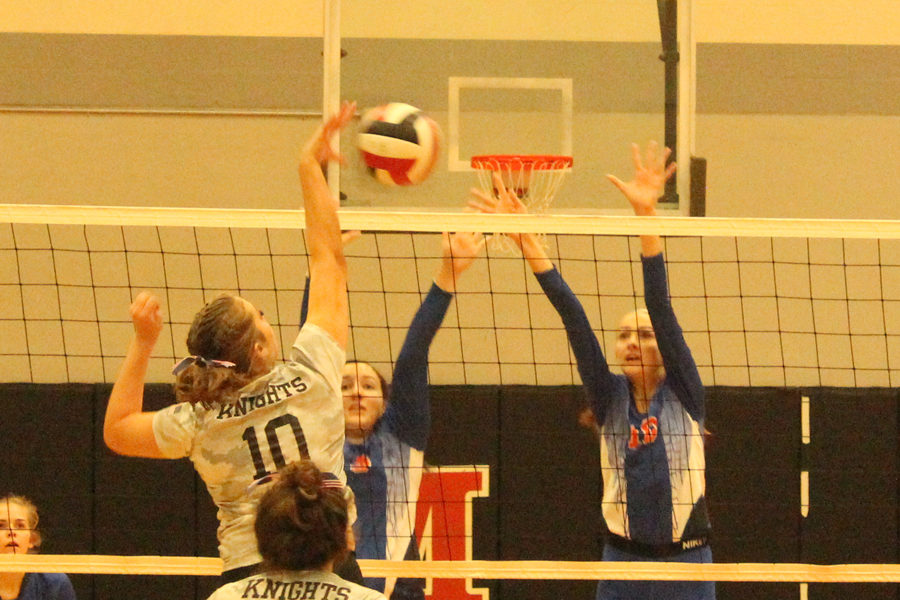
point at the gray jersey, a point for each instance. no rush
(314, 585)
(294, 411)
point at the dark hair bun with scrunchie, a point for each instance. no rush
(301, 522)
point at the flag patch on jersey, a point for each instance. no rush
(362, 464)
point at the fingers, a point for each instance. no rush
(480, 240)
(617, 182)
(319, 146)
(670, 170)
(651, 154)
(349, 236)
(144, 303)
(666, 154)
(498, 184)
(340, 119)
(636, 157)
(146, 316)
(482, 201)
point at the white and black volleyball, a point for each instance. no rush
(399, 144)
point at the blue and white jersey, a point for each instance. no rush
(385, 471)
(46, 586)
(652, 464)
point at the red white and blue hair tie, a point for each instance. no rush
(330, 481)
(184, 363)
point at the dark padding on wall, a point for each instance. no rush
(544, 483)
(853, 474)
(48, 441)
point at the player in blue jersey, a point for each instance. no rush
(650, 417)
(387, 429)
(301, 532)
(241, 414)
(19, 535)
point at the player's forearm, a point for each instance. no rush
(127, 396)
(534, 253)
(323, 230)
(446, 278)
(651, 245)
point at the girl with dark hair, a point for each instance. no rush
(19, 535)
(388, 424)
(387, 429)
(240, 415)
(301, 526)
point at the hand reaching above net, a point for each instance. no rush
(505, 201)
(650, 176)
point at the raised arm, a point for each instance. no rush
(127, 429)
(592, 366)
(643, 192)
(506, 202)
(408, 412)
(327, 266)
(346, 238)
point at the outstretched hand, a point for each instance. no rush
(502, 201)
(650, 176)
(319, 148)
(146, 317)
(460, 250)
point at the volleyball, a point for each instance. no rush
(399, 143)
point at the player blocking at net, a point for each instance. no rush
(240, 415)
(650, 417)
(388, 425)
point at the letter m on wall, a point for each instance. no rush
(444, 524)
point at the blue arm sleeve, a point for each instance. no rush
(592, 366)
(408, 413)
(304, 304)
(682, 375)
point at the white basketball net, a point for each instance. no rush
(534, 179)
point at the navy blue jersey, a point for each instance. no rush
(652, 464)
(46, 586)
(385, 471)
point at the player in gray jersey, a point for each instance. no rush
(241, 416)
(301, 529)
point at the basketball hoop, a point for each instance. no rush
(535, 179)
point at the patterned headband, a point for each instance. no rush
(184, 363)
(329, 481)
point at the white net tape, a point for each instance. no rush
(478, 569)
(374, 220)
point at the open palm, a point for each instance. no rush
(650, 176)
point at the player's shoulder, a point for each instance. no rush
(233, 590)
(53, 578)
(52, 584)
(358, 592)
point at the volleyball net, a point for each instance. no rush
(794, 326)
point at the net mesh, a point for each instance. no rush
(757, 311)
(800, 305)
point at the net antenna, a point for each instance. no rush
(535, 178)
